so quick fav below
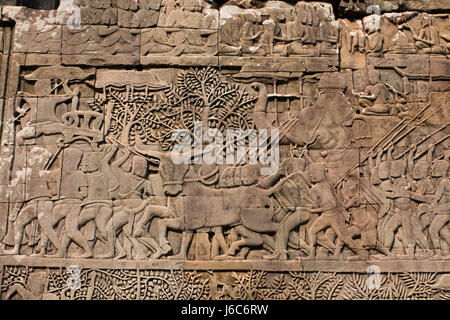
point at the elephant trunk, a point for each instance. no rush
(259, 113)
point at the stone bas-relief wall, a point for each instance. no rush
(93, 206)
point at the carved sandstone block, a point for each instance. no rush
(100, 45)
(36, 31)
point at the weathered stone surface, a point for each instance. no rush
(219, 146)
(373, 6)
(35, 31)
(169, 46)
(98, 45)
(439, 68)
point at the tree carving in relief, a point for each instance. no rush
(140, 115)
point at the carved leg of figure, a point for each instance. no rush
(185, 242)
(211, 50)
(117, 221)
(149, 242)
(254, 239)
(215, 250)
(235, 233)
(330, 236)
(426, 219)
(102, 218)
(23, 293)
(138, 249)
(156, 48)
(28, 132)
(65, 241)
(235, 236)
(177, 51)
(243, 253)
(281, 50)
(353, 231)
(218, 242)
(422, 47)
(406, 225)
(249, 239)
(87, 220)
(377, 109)
(400, 237)
(417, 231)
(109, 242)
(322, 223)
(445, 235)
(121, 250)
(74, 234)
(26, 215)
(327, 241)
(391, 226)
(318, 225)
(45, 210)
(231, 253)
(438, 49)
(228, 50)
(325, 48)
(150, 212)
(140, 252)
(436, 226)
(381, 227)
(337, 223)
(381, 248)
(164, 225)
(282, 235)
(44, 245)
(59, 212)
(127, 242)
(269, 242)
(9, 237)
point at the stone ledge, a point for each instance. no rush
(238, 265)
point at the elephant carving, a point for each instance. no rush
(321, 126)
